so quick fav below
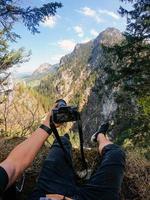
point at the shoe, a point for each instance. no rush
(67, 136)
(102, 130)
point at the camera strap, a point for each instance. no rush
(84, 163)
(67, 158)
(54, 130)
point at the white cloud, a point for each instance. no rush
(110, 13)
(50, 21)
(67, 45)
(96, 14)
(88, 11)
(94, 33)
(79, 30)
(91, 13)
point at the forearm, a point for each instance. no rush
(23, 155)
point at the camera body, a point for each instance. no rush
(63, 113)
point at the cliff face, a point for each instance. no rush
(81, 80)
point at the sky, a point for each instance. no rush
(78, 21)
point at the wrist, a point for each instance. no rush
(46, 128)
(46, 123)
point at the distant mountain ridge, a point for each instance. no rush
(33, 79)
(44, 69)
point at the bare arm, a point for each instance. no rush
(22, 155)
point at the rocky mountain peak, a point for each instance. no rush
(109, 36)
(42, 69)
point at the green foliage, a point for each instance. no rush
(145, 103)
(43, 100)
(138, 21)
(126, 138)
(10, 58)
(47, 91)
(134, 52)
(132, 75)
(11, 12)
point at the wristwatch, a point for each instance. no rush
(46, 128)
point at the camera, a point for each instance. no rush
(63, 113)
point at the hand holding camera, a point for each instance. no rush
(61, 113)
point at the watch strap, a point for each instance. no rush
(46, 128)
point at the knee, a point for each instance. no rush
(114, 154)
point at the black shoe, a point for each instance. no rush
(67, 136)
(103, 129)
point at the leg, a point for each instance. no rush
(57, 175)
(10, 193)
(106, 182)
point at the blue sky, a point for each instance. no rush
(78, 21)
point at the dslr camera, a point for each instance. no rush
(63, 113)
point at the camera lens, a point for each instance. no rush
(60, 103)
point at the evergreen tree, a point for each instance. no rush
(138, 19)
(11, 12)
(134, 52)
(132, 74)
(9, 58)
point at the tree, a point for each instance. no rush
(11, 13)
(9, 58)
(20, 113)
(132, 74)
(134, 51)
(138, 19)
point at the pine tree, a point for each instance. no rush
(133, 53)
(132, 73)
(138, 19)
(11, 12)
(9, 58)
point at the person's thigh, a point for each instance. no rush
(106, 182)
(57, 175)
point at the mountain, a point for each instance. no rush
(85, 78)
(33, 79)
(43, 69)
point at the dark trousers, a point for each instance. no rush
(57, 177)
